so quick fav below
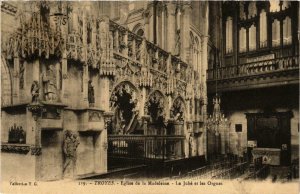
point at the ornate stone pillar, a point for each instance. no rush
(64, 72)
(16, 79)
(85, 69)
(125, 51)
(143, 101)
(169, 87)
(107, 65)
(133, 49)
(151, 22)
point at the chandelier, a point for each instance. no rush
(217, 117)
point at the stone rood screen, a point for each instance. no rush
(90, 92)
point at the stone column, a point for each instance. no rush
(133, 49)
(105, 94)
(185, 30)
(151, 23)
(188, 114)
(102, 141)
(142, 102)
(204, 69)
(171, 26)
(168, 116)
(146, 21)
(64, 72)
(204, 65)
(85, 68)
(85, 80)
(33, 135)
(125, 51)
(16, 80)
(163, 45)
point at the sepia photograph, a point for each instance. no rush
(150, 97)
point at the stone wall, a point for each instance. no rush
(236, 104)
(18, 167)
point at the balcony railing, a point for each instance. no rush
(146, 147)
(254, 68)
(132, 47)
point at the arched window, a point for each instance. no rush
(140, 32)
(287, 31)
(275, 33)
(252, 38)
(228, 35)
(263, 29)
(242, 40)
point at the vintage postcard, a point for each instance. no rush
(150, 97)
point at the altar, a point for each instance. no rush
(269, 156)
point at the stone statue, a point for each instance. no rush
(70, 145)
(191, 145)
(49, 80)
(178, 43)
(35, 88)
(217, 109)
(91, 95)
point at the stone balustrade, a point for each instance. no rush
(254, 68)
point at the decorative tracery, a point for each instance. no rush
(155, 106)
(177, 110)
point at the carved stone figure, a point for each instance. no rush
(35, 88)
(70, 145)
(91, 95)
(178, 43)
(49, 80)
(191, 145)
(217, 109)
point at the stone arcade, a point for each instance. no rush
(77, 85)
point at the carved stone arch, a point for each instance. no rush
(124, 103)
(6, 83)
(120, 88)
(155, 105)
(178, 109)
(138, 29)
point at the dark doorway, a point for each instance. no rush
(271, 130)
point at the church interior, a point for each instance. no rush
(156, 89)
